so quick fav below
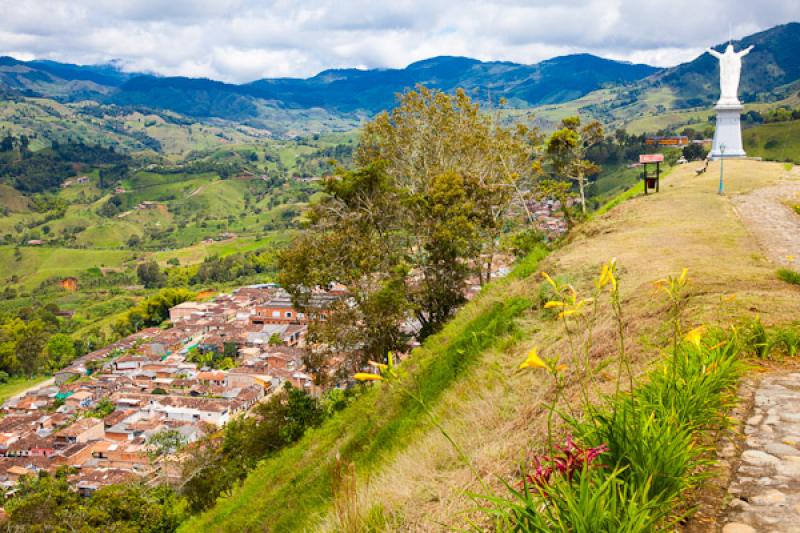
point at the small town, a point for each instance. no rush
(98, 414)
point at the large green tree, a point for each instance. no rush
(355, 239)
(405, 230)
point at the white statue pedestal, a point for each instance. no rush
(728, 132)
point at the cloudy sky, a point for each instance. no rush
(243, 40)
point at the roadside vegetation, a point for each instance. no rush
(626, 461)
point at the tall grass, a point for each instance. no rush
(654, 434)
(759, 342)
(655, 452)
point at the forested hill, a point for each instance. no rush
(553, 81)
(342, 91)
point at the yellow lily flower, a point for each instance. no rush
(533, 361)
(696, 335)
(554, 303)
(363, 376)
(603, 280)
(682, 279)
(549, 280)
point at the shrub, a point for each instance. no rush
(753, 338)
(789, 276)
(785, 341)
(596, 502)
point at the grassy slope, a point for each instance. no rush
(409, 477)
(40, 263)
(18, 384)
(650, 112)
(12, 199)
(779, 141)
(372, 430)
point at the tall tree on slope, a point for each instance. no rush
(566, 151)
(420, 215)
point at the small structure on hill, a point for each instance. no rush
(651, 177)
(669, 140)
(70, 284)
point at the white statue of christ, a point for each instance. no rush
(730, 68)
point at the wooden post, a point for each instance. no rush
(658, 175)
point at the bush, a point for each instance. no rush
(753, 338)
(654, 453)
(596, 502)
(694, 152)
(785, 341)
(789, 276)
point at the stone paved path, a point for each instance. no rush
(765, 488)
(774, 224)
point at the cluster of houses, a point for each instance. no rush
(548, 216)
(99, 413)
(218, 359)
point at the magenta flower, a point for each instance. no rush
(569, 461)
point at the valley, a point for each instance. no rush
(376, 299)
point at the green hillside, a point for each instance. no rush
(411, 478)
(779, 141)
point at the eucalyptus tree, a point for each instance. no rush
(566, 151)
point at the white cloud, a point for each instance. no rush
(242, 40)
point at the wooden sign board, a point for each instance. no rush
(651, 158)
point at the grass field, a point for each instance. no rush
(37, 264)
(409, 477)
(18, 384)
(779, 141)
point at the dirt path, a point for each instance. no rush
(197, 191)
(772, 222)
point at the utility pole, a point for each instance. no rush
(721, 166)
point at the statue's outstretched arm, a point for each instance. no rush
(714, 53)
(746, 51)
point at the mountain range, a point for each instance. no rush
(343, 90)
(770, 71)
